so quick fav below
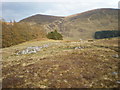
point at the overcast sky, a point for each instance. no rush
(23, 8)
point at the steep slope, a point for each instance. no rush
(82, 25)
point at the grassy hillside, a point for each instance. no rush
(15, 33)
(82, 25)
(63, 64)
(85, 24)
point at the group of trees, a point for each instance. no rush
(107, 34)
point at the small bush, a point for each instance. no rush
(90, 40)
(54, 35)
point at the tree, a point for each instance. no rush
(54, 35)
(107, 34)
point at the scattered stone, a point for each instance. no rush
(43, 86)
(118, 82)
(35, 74)
(45, 80)
(23, 64)
(65, 81)
(80, 39)
(61, 74)
(45, 45)
(114, 73)
(79, 48)
(116, 56)
(32, 49)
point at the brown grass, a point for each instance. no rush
(61, 66)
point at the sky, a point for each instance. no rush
(19, 9)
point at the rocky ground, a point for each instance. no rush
(61, 64)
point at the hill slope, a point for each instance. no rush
(62, 65)
(15, 33)
(82, 25)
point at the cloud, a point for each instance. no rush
(72, 7)
(20, 10)
(111, 1)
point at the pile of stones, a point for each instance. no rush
(32, 49)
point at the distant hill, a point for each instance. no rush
(81, 25)
(41, 19)
(84, 25)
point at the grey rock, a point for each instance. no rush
(32, 49)
(116, 56)
(45, 45)
(78, 47)
(118, 82)
(114, 73)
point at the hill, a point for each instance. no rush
(41, 19)
(81, 25)
(84, 25)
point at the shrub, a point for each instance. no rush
(54, 35)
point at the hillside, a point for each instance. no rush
(16, 33)
(81, 25)
(84, 25)
(62, 64)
